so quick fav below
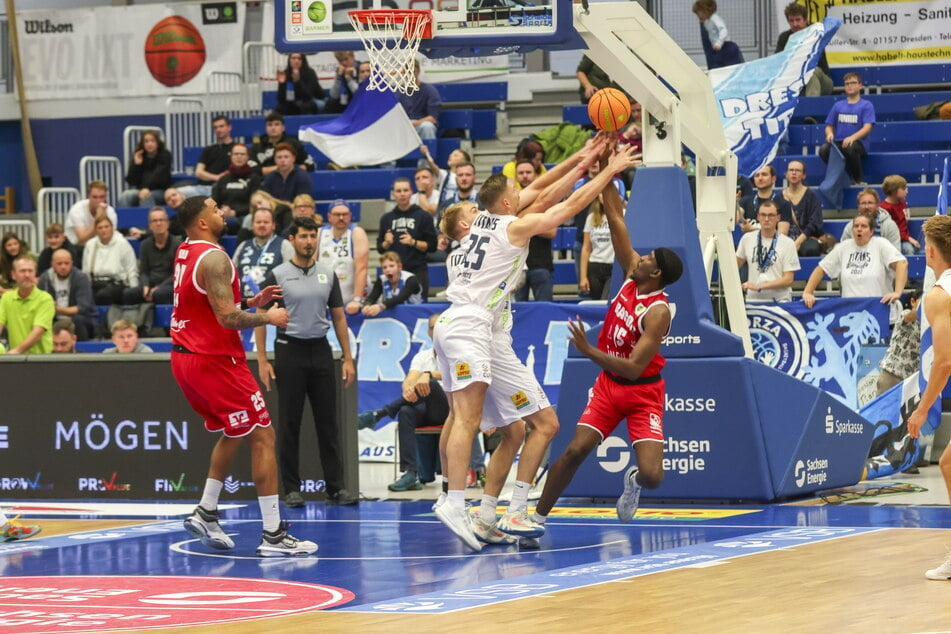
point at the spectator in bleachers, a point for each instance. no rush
(287, 182)
(631, 136)
(298, 91)
(531, 151)
(263, 152)
(173, 200)
(56, 239)
(363, 71)
(394, 287)
(80, 225)
(156, 263)
(597, 254)
(422, 107)
(110, 261)
(72, 294)
(125, 339)
(446, 178)
(233, 190)
(718, 48)
(806, 226)
(257, 256)
(27, 312)
(282, 211)
(409, 231)
(849, 123)
(64, 337)
(764, 181)
(345, 247)
(591, 79)
(11, 247)
(771, 257)
(797, 17)
(465, 190)
(895, 188)
(882, 223)
(303, 207)
(866, 265)
(426, 194)
(345, 82)
(524, 174)
(539, 275)
(214, 160)
(150, 172)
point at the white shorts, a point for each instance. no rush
(514, 391)
(462, 339)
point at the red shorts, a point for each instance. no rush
(641, 405)
(223, 390)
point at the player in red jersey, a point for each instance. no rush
(208, 361)
(630, 386)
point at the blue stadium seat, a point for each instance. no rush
(357, 184)
(576, 114)
(565, 273)
(898, 75)
(897, 106)
(437, 274)
(493, 91)
(136, 245)
(229, 244)
(163, 315)
(132, 217)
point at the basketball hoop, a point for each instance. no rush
(391, 38)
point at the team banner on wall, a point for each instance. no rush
(886, 32)
(820, 345)
(133, 51)
(757, 98)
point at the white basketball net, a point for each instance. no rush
(391, 39)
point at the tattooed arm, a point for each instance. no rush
(214, 275)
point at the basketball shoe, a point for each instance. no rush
(203, 524)
(489, 533)
(440, 500)
(281, 544)
(459, 523)
(627, 503)
(518, 523)
(942, 572)
(13, 530)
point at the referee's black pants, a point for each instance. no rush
(305, 370)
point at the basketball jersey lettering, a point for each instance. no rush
(475, 256)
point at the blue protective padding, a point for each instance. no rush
(661, 214)
(802, 424)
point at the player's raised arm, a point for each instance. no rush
(551, 186)
(521, 231)
(620, 239)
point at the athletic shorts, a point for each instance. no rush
(223, 390)
(462, 339)
(514, 392)
(641, 405)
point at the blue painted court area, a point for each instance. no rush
(396, 556)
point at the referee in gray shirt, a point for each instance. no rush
(303, 362)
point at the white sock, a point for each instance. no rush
(519, 496)
(539, 519)
(270, 512)
(209, 497)
(456, 499)
(487, 509)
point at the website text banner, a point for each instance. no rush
(886, 32)
(134, 51)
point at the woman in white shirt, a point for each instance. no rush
(597, 254)
(867, 266)
(110, 261)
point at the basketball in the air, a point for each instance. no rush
(609, 109)
(174, 51)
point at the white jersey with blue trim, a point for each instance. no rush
(488, 268)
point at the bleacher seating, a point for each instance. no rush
(160, 345)
(897, 106)
(898, 75)
(357, 184)
(886, 135)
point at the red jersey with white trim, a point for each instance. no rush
(194, 324)
(622, 325)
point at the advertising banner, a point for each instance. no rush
(132, 51)
(820, 345)
(883, 33)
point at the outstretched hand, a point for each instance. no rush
(267, 295)
(577, 331)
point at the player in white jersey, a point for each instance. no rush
(937, 310)
(497, 248)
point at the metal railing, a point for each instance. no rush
(102, 168)
(52, 205)
(25, 230)
(186, 125)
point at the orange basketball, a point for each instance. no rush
(174, 51)
(609, 109)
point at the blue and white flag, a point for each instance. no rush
(373, 129)
(757, 99)
(942, 206)
(832, 187)
(893, 450)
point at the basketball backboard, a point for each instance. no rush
(463, 28)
